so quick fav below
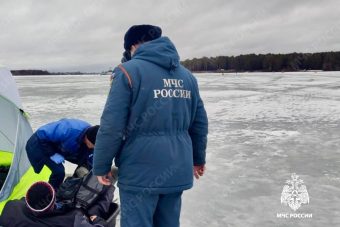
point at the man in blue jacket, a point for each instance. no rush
(67, 139)
(155, 126)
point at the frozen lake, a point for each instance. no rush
(263, 128)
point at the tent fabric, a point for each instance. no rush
(8, 87)
(15, 130)
(20, 162)
(6, 158)
(8, 121)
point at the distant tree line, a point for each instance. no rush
(29, 72)
(327, 61)
(37, 72)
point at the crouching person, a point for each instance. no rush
(67, 139)
(79, 202)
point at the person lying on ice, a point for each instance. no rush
(67, 139)
(79, 202)
(155, 126)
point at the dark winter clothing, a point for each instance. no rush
(16, 214)
(67, 134)
(64, 137)
(126, 56)
(87, 193)
(150, 210)
(162, 119)
(91, 133)
(141, 33)
(155, 126)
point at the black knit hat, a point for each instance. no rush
(40, 198)
(91, 133)
(141, 33)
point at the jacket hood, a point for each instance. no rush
(160, 51)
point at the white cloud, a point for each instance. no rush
(88, 34)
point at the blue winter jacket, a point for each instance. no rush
(154, 123)
(66, 134)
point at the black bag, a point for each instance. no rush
(80, 192)
(66, 193)
(89, 191)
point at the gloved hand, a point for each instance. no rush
(57, 158)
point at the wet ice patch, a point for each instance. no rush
(261, 136)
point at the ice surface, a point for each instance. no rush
(263, 127)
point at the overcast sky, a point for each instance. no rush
(87, 35)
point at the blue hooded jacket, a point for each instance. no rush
(154, 123)
(67, 133)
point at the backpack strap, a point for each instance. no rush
(126, 74)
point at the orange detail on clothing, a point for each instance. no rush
(126, 74)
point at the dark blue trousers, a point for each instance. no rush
(58, 173)
(149, 210)
(39, 153)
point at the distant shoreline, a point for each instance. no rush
(64, 74)
(37, 72)
(291, 62)
(234, 71)
(196, 72)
